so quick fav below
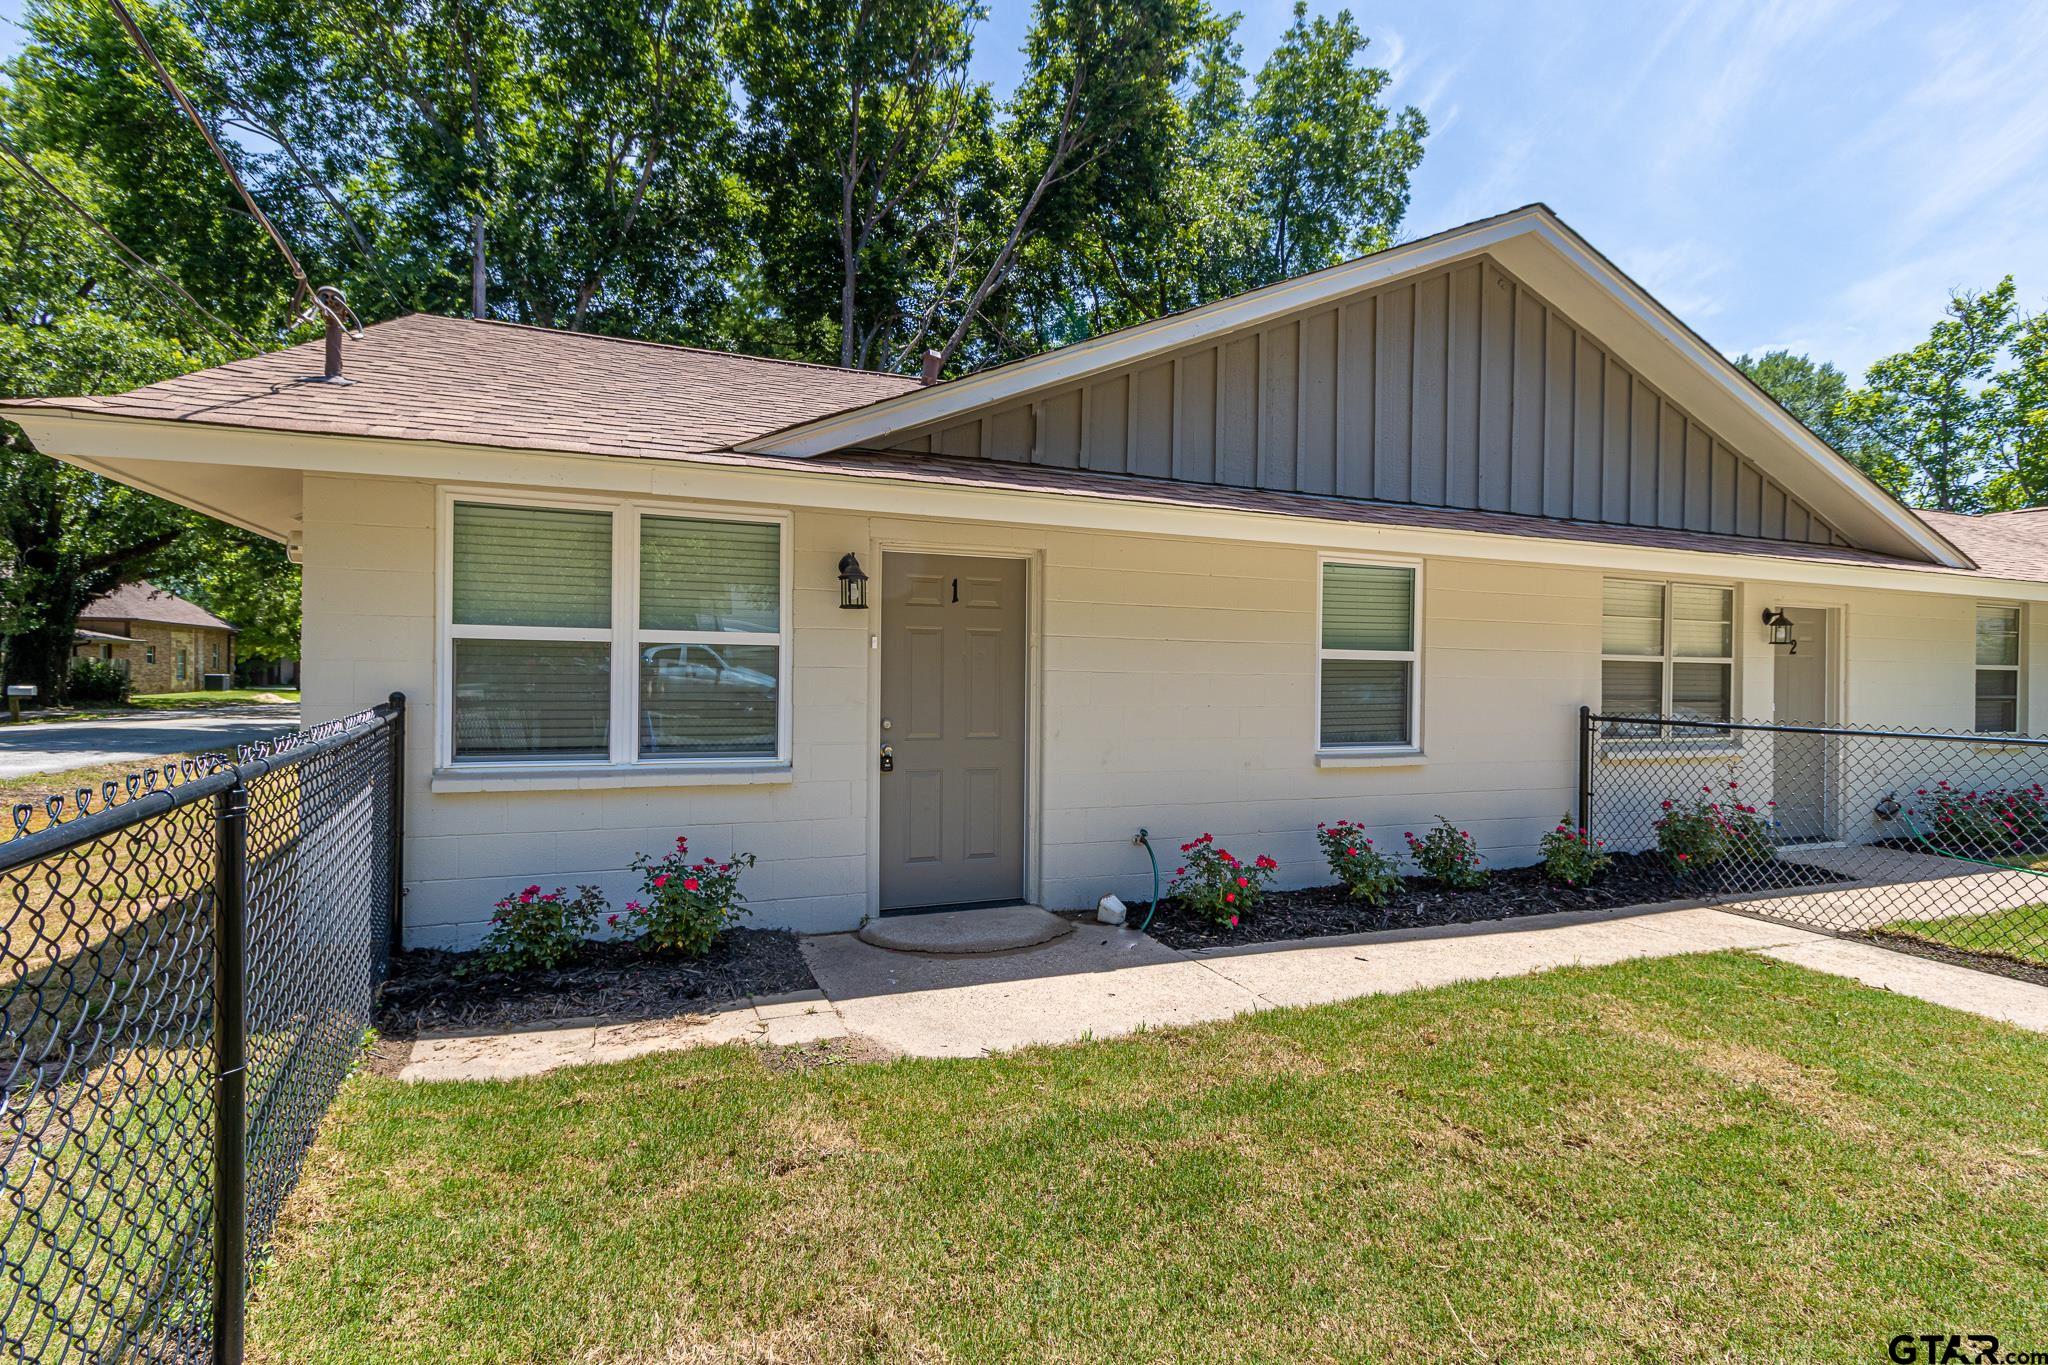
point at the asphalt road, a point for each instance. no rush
(26, 750)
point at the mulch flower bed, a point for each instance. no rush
(430, 988)
(1634, 879)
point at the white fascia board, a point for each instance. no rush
(1654, 316)
(809, 488)
(956, 397)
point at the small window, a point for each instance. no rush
(183, 663)
(1666, 649)
(710, 638)
(149, 654)
(1998, 670)
(1367, 690)
(532, 626)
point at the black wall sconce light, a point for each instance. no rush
(1780, 627)
(853, 583)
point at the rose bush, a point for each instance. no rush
(534, 929)
(1215, 885)
(1366, 872)
(1572, 857)
(1714, 829)
(688, 904)
(1448, 856)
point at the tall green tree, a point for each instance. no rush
(1923, 423)
(1333, 160)
(1812, 391)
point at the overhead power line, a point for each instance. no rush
(136, 262)
(305, 288)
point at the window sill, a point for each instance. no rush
(608, 777)
(1618, 749)
(1371, 758)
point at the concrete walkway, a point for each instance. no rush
(1099, 982)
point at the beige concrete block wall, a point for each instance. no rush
(1174, 690)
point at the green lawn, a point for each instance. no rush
(234, 696)
(1716, 1157)
(2020, 933)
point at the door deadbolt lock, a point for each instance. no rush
(888, 759)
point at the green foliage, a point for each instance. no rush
(245, 579)
(1714, 827)
(95, 680)
(1812, 392)
(1214, 884)
(1448, 856)
(534, 930)
(1572, 857)
(688, 904)
(1366, 872)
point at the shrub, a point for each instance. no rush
(688, 904)
(1366, 872)
(1572, 857)
(1216, 885)
(1714, 830)
(95, 680)
(1447, 856)
(535, 930)
(1978, 822)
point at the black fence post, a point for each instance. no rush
(397, 828)
(230, 1085)
(1586, 769)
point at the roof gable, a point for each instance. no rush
(1726, 456)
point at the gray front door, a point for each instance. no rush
(1803, 766)
(953, 730)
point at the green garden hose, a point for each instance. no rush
(1145, 838)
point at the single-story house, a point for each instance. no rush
(161, 641)
(1358, 544)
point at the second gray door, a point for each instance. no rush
(954, 730)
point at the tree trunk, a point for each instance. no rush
(479, 303)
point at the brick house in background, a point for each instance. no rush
(163, 642)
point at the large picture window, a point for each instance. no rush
(613, 635)
(1998, 669)
(1667, 649)
(1367, 690)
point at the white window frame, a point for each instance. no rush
(1665, 659)
(1412, 656)
(2017, 668)
(624, 635)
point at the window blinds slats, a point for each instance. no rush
(1702, 622)
(532, 700)
(1365, 701)
(1631, 617)
(532, 566)
(1631, 689)
(1998, 635)
(710, 575)
(1368, 607)
(1700, 691)
(701, 701)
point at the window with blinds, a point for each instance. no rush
(530, 608)
(1998, 669)
(543, 599)
(1666, 649)
(710, 638)
(1366, 686)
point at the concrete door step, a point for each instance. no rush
(999, 929)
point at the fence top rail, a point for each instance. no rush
(1976, 737)
(142, 796)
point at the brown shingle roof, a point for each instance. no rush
(2004, 544)
(140, 601)
(423, 377)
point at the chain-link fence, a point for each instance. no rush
(1927, 839)
(190, 965)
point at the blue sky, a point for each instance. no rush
(1816, 174)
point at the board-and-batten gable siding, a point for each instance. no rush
(1459, 388)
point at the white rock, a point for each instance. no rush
(1109, 910)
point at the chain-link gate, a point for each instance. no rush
(191, 960)
(1931, 840)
